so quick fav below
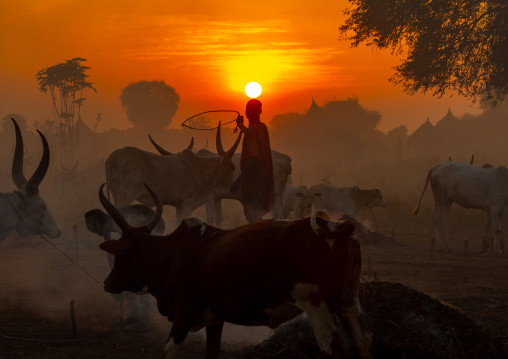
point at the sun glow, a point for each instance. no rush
(253, 89)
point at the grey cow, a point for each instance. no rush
(24, 210)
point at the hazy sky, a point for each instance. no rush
(207, 51)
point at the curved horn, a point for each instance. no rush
(17, 163)
(472, 159)
(158, 213)
(113, 212)
(232, 150)
(161, 150)
(32, 187)
(191, 144)
(218, 142)
(206, 145)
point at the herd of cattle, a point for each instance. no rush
(263, 273)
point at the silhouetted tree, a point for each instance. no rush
(150, 104)
(459, 45)
(66, 83)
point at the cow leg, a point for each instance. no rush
(495, 230)
(181, 327)
(209, 206)
(323, 325)
(486, 238)
(213, 338)
(356, 328)
(182, 212)
(436, 221)
(217, 209)
(445, 216)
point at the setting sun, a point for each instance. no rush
(253, 89)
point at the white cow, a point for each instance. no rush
(470, 187)
(345, 200)
(183, 180)
(298, 200)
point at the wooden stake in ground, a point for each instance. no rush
(73, 321)
(76, 243)
(369, 270)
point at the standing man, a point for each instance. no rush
(255, 183)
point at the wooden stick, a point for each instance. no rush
(76, 243)
(73, 321)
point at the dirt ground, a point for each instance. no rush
(38, 283)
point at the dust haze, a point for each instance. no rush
(336, 142)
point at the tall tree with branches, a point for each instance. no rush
(67, 83)
(459, 45)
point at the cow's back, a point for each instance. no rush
(333, 198)
(470, 186)
(253, 267)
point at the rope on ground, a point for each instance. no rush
(69, 258)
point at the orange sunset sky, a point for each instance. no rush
(207, 51)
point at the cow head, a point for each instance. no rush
(227, 168)
(126, 272)
(376, 198)
(35, 217)
(304, 202)
(96, 221)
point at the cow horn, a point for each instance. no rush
(17, 163)
(191, 144)
(158, 213)
(218, 142)
(220, 149)
(113, 212)
(232, 150)
(161, 150)
(32, 187)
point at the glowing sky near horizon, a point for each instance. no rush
(208, 51)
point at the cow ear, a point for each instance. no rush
(115, 247)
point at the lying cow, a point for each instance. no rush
(345, 200)
(470, 187)
(264, 273)
(102, 224)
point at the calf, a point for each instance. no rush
(264, 273)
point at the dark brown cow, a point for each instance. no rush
(264, 273)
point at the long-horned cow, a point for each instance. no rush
(470, 187)
(24, 210)
(281, 171)
(264, 273)
(183, 180)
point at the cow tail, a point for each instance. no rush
(415, 211)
